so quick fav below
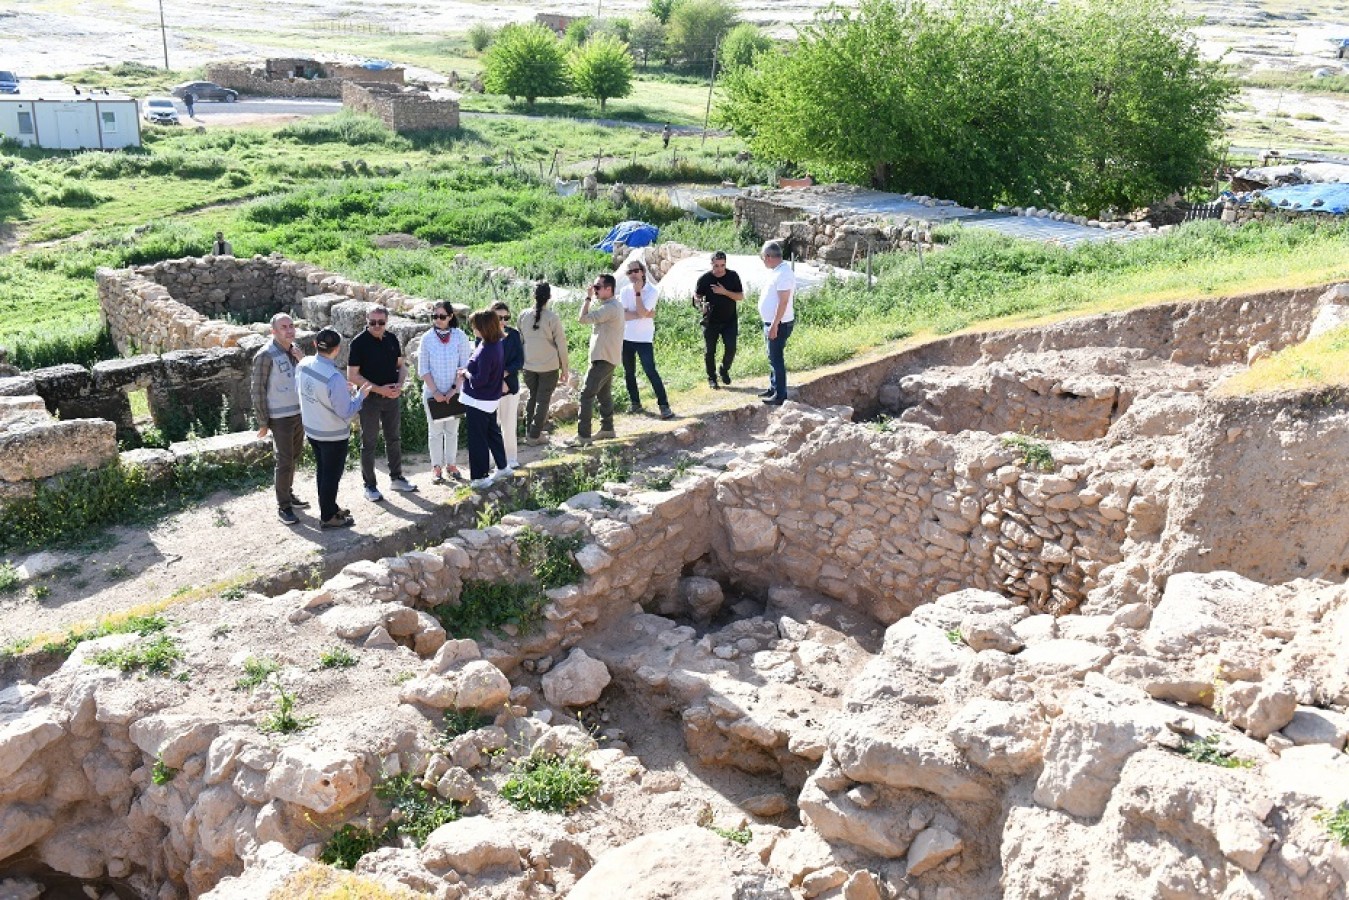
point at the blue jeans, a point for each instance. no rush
(632, 352)
(777, 363)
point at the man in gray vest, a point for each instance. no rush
(277, 407)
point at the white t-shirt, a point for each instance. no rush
(643, 331)
(783, 279)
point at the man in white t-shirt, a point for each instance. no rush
(639, 334)
(778, 316)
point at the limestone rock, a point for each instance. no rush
(1311, 725)
(481, 686)
(1261, 708)
(924, 649)
(690, 863)
(318, 778)
(576, 681)
(874, 748)
(702, 596)
(998, 737)
(470, 845)
(22, 738)
(752, 533)
(931, 848)
(1191, 611)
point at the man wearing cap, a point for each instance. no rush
(778, 316)
(327, 404)
(718, 294)
(376, 359)
(277, 407)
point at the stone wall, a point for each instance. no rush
(401, 110)
(1239, 213)
(835, 239)
(251, 83)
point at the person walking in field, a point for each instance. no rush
(718, 294)
(276, 404)
(665, 135)
(545, 341)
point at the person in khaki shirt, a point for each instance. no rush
(545, 360)
(606, 352)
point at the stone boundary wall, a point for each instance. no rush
(838, 240)
(399, 109)
(1235, 213)
(255, 80)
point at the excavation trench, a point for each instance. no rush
(854, 635)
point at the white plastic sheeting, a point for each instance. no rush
(680, 281)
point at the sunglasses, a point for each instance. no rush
(440, 317)
(376, 323)
(599, 285)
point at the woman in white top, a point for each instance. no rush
(638, 299)
(445, 350)
(545, 360)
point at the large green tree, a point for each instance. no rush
(986, 101)
(742, 44)
(526, 61)
(695, 28)
(601, 68)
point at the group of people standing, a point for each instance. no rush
(298, 397)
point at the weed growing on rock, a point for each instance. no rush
(349, 843)
(15, 647)
(562, 484)
(117, 572)
(1035, 454)
(9, 577)
(1206, 750)
(232, 593)
(490, 514)
(284, 720)
(142, 625)
(161, 774)
(490, 604)
(257, 669)
(741, 836)
(1336, 822)
(417, 810)
(39, 592)
(336, 658)
(953, 635)
(883, 424)
(550, 783)
(461, 721)
(156, 656)
(552, 559)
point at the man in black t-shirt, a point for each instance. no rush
(376, 358)
(718, 293)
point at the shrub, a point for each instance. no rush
(480, 36)
(1337, 823)
(74, 195)
(695, 27)
(336, 658)
(283, 720)
(601, 69)
(526, 61)
(1034, 454)
(161, 774)
(741, 45)
(551, 559)
(348, 844)
(156, 656)
(256, 671)
(487, 605)
(1207, 750)
(417, 811)
(9, 578)
(550, 783)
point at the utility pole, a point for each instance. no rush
(712, 80)
(163, 35)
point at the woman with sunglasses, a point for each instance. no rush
(445, 350)
(508, 411)
(483, 380)
(639, 334)
(545, 341)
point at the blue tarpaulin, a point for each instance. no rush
(633, 234)
(1329, 198)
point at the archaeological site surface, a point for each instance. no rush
(1043, 613)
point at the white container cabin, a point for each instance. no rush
(52, 116)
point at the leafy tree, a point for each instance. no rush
(648, 36)
(986, 101)
(480, 36)
(661, 9)
(526, 61)
(577, 32)
(695, 27)
(741, 44)
(601, 69)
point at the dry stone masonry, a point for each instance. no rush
(927, 656)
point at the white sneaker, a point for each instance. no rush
(512, 465)
(402, 485)
(480, 483)
(373, 495)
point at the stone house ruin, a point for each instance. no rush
(403, 109)
(298, 77)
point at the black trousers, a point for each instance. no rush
(729, 333)
(484, 441)
(330, 458)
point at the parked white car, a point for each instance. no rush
(159, 111)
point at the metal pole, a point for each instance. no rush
(163, 35)
(707, 113)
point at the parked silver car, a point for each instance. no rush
(159, 111)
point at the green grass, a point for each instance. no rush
(9, 578)
(741, 836)
(1322, 361)
(161, 774)
(550, 783)
(459, 722)
(348, 844)
(1336, 822)
(1208, 750)
(336, 658)
(154, 656)
(1035, 454)
(654, 100)
(551, 559)
(417, 810)
(257, 669)
(283, 720)
(488, 605)
(142, 625)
